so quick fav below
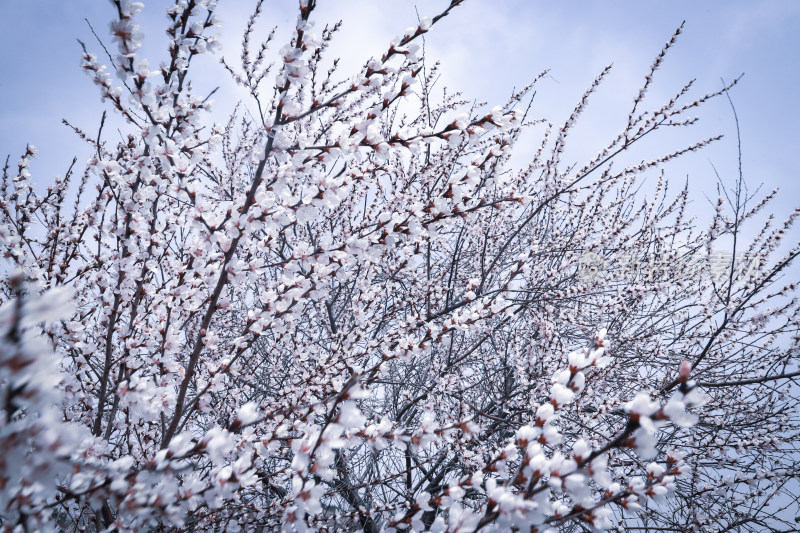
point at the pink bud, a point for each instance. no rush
(684, 371)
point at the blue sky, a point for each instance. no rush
(486, 47)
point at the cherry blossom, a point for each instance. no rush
(349, 308)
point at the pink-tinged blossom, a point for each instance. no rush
(349, 307)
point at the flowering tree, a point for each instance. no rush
(351, 312)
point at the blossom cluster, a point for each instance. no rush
(347, 309)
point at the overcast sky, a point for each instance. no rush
(487, 48)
